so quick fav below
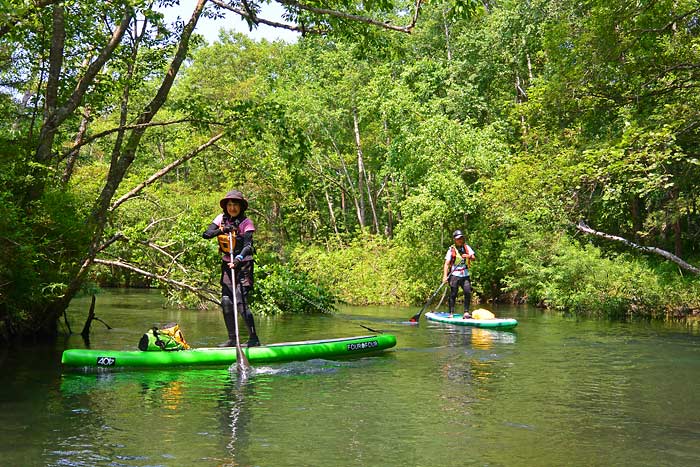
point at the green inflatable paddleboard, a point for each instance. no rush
(282, 352)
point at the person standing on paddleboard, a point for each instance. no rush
(456, 271)
(233, 220)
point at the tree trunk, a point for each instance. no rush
(73, 156)
(118, 168)
(446, 26)
(54, 115)
(389, 213)
(58, 40)
(329, 201)
(360, 169)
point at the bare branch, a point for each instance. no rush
(102, 134)
(361, 19)
(153, 246)
(164, 171)
(205, 294)
(258, 20)
(156, 222)
(321, 11)
(647, 249)
(116, 237)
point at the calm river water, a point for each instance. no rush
(556, 391)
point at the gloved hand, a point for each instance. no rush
(227, 228)
(236, 261)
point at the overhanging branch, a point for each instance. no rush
(324, 12)
(258, 20)
(358, 18)
(647, 249)
(137, 189)
(205, 294)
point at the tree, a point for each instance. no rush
(98, 62)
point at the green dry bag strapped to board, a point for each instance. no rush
(168, 338)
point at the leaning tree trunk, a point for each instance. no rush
(118, 168)
(647, 249)
(55, 115)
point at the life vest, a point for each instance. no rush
(224, 245)
(454, 251)
(168, 338)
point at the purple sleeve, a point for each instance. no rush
(246, 226)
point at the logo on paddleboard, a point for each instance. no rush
(362, 345)
(106, 361)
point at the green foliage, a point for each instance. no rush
(558, 273)
(372, 270)
(280, 289)
(360, 150)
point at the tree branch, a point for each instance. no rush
(669, 25)
(325, 12)
(137, 189)
(361, 19)
(205, 294)
(258, 20)
(158, 248)
(647, 249)
(102, 134)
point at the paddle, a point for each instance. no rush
(416, 317)
(242, 364)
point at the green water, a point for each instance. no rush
(556, 391)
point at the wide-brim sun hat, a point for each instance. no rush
(234, 195)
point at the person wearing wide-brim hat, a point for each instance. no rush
(456, 271)
(233, 220)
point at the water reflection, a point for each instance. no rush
(557, 391)
(236, 419)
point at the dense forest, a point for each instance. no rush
(562, 136)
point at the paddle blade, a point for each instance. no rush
(242, 364)
(416, 317)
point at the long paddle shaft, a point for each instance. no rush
(241, 360)
(416, 317)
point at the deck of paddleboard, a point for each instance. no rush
(503, 323)
(279, 352)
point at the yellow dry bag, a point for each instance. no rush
(481, 313)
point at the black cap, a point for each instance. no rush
(457, 234)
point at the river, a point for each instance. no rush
(558, 390)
